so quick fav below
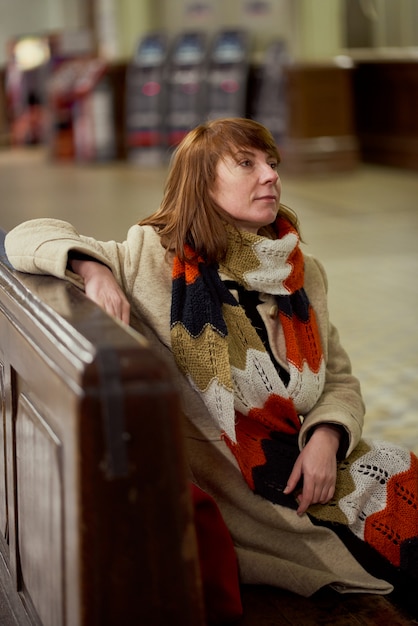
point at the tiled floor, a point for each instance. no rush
(363, 225)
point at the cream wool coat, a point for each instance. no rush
(274, 545)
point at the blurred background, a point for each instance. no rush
(96, 94)
(100, 80)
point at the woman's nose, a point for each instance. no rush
(268, 174)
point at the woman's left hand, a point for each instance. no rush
(317, 463)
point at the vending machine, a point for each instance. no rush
(269, 98)
(146, 101)
(228, 75)
(186, 80)
(94, 122)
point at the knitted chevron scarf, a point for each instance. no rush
(222, 355)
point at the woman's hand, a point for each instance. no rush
(317, 463)
(101, 286)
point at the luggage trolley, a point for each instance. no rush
(186, 81)
(228, 75)
(145, 101)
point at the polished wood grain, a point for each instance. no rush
(96, 520)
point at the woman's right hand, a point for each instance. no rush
(317, 463)
(101, 286)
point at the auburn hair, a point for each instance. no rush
(188, 214)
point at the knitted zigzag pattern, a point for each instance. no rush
(223, 357)
(377, 498)
(217, 348)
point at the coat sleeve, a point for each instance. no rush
(341, 402)
(42, 246)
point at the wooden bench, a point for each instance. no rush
(96, 523)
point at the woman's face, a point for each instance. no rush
(248, 188)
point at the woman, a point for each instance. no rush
(274, 415)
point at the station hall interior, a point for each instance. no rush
(337, 81)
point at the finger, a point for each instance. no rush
(120, 311)
(293, 479)
(327, 494)
(305, 500)
(117, 306)
(125, 313)
(303, 506)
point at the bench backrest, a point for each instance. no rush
(96, 524)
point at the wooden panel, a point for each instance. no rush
(386, 105)
(39, 480)
(320, 101)
(320, 135)
(3, 475)
(43, 391)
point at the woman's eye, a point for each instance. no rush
(245, 163)
(274, 165)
